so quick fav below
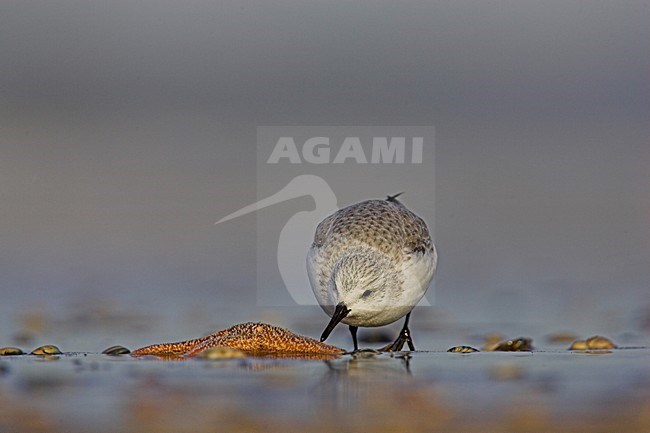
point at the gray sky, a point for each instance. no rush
(128, 128)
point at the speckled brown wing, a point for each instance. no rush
(416, 234)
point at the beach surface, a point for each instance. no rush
(548, 389)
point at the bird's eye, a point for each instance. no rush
(366, 293)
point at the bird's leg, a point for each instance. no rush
(404, 337)
(353, 331)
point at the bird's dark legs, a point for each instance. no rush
(404, 337)
(407, 333)
(353, 331)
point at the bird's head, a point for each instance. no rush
(360, 284)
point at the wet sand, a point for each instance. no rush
(548, 389)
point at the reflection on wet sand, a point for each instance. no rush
(365, 391)
(350, 382)
(224, 388)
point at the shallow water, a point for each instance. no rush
(550, 389)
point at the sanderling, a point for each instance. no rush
(370, 264)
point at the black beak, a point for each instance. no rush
(339, 314)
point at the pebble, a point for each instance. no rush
(463, 349)
(579, 345)
(597, 342)
(593, 343)
(46, 350)
(365, 353)
(116, 351)
(221, 352)
(10, 351)
(521, 344)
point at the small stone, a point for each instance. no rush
(365, 353)
(116, 351)
(593, 343)
(579, 345)
(600, 343)
(10, 351)
(463, 349)
(46, 350)
(221, 352)
(520, 344)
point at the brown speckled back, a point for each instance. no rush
(386, 225)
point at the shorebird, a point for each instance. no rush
(369, 265)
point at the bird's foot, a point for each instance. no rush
(403, 338)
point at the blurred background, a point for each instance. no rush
(128, 128)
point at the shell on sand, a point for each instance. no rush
(251, 338)
(593, 343)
